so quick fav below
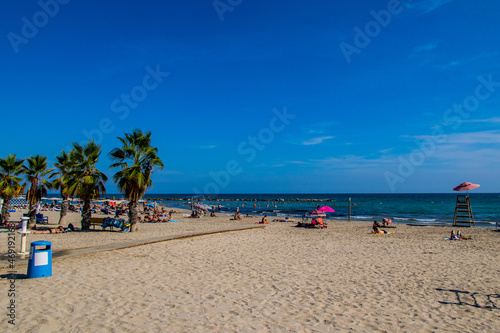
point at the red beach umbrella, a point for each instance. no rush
(326, 209)
(467, 186)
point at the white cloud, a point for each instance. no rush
(425, 6)
(493, 120)
(459, 157)
(316, 141)
(297, 162)
(386, 151)
(470, 138)
(208, 147)
(426, 47)
(469, 60)
(355, 162)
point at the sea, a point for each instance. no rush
(420, 209)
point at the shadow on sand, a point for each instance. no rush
(14, 276)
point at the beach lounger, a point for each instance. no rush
(40, 218)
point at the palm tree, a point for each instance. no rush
(10, 183)
(64, 166)
(35, 171)
(85, 181)
(136, 158)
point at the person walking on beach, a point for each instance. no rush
(218, 207)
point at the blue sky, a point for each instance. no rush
(253, 96)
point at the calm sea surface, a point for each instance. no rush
(404, 208)
(401, 208)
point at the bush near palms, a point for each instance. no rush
(64, 165)
(85, 180)
(136, 158)
(10, 183)
(35, 171)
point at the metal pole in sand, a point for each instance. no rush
(349, 209)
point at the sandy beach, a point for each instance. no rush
(276, 279)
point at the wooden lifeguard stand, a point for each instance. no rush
(463, 212)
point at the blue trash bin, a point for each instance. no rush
(40, 261)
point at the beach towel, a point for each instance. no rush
(116, 223)
(174, 220)
(378, 233)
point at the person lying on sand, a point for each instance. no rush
(287, 219)
(58, 230)
(148, 218)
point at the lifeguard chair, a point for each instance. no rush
(463, 212)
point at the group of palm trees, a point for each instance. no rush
(75, 174)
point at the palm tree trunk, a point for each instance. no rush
(133, 212)
(86, 215)
(5, 212)
(32, 216)
(64, 212)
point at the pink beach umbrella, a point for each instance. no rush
(202, 207)
(326, 209)
(466, 187)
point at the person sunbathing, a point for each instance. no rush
(457, 236)
(264, 220)
(58, 230)
(287, 219)
(376, 229)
